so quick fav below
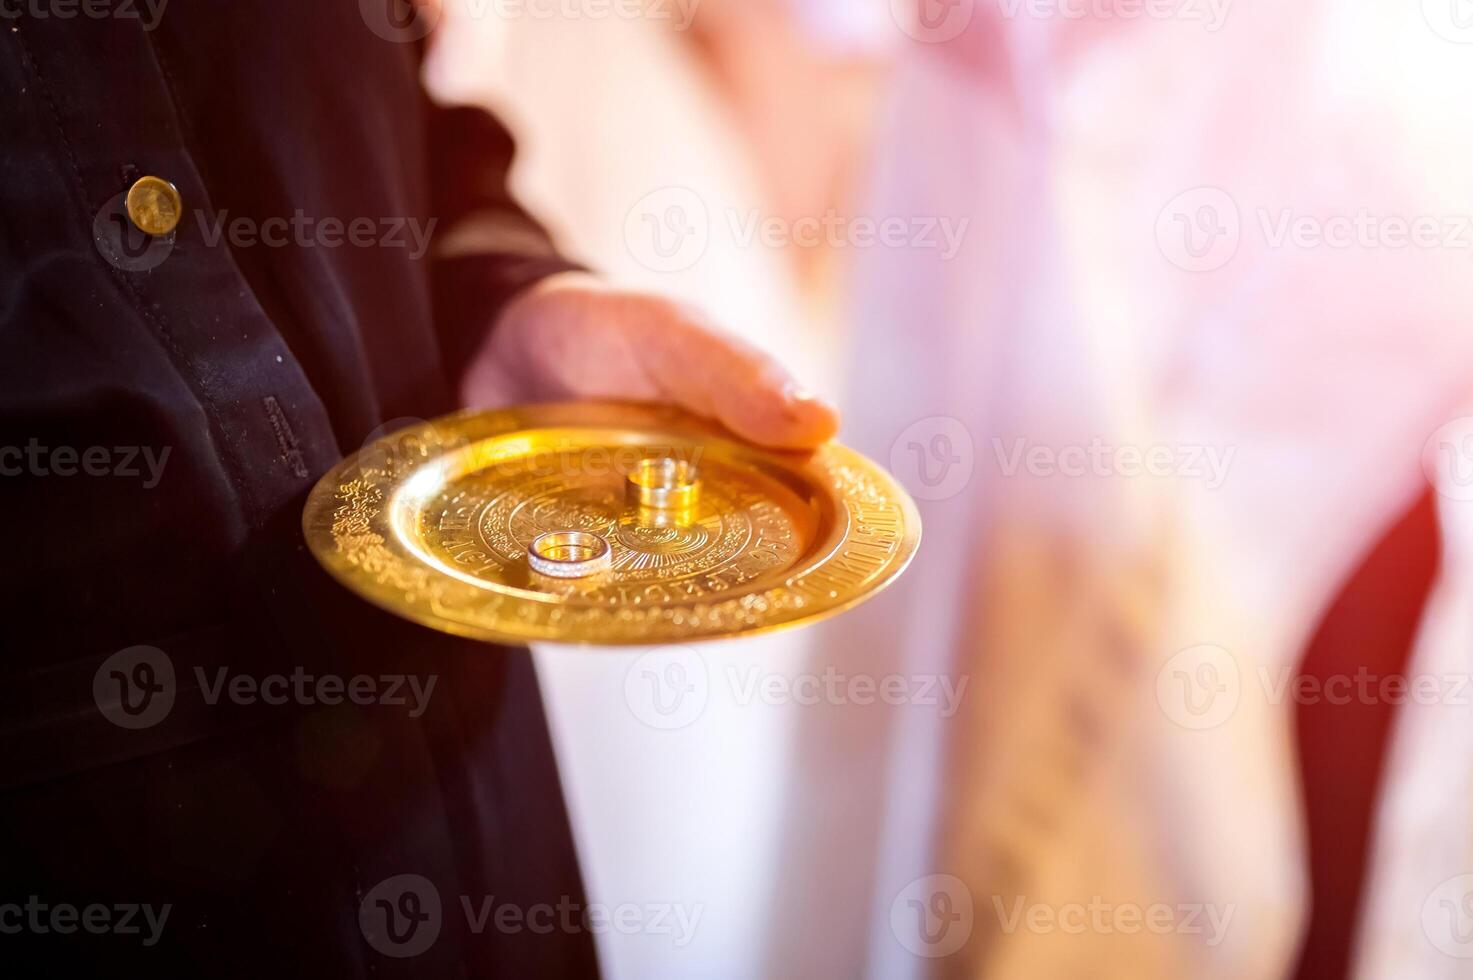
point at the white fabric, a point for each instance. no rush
(1323, 370)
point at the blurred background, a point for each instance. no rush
(1160, 309)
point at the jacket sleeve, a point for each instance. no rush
(487, 248)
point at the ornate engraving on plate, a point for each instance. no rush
(436, 527)
(484, 523)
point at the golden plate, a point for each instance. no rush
(433, 523)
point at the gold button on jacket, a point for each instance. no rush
(154, 205)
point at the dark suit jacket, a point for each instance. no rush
(254, 353)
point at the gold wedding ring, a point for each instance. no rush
(663, 484)
(569, 554)
(442, 537)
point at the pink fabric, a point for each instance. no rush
(1084, 152)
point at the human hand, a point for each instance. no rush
(571, 337)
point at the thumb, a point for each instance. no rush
(719, 376)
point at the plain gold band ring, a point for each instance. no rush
(664, 484)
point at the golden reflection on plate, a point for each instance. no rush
(433, 522)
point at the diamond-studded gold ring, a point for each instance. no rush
(569, 554)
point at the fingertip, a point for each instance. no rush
(814, 421)
(749, 392)
(796, 421)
